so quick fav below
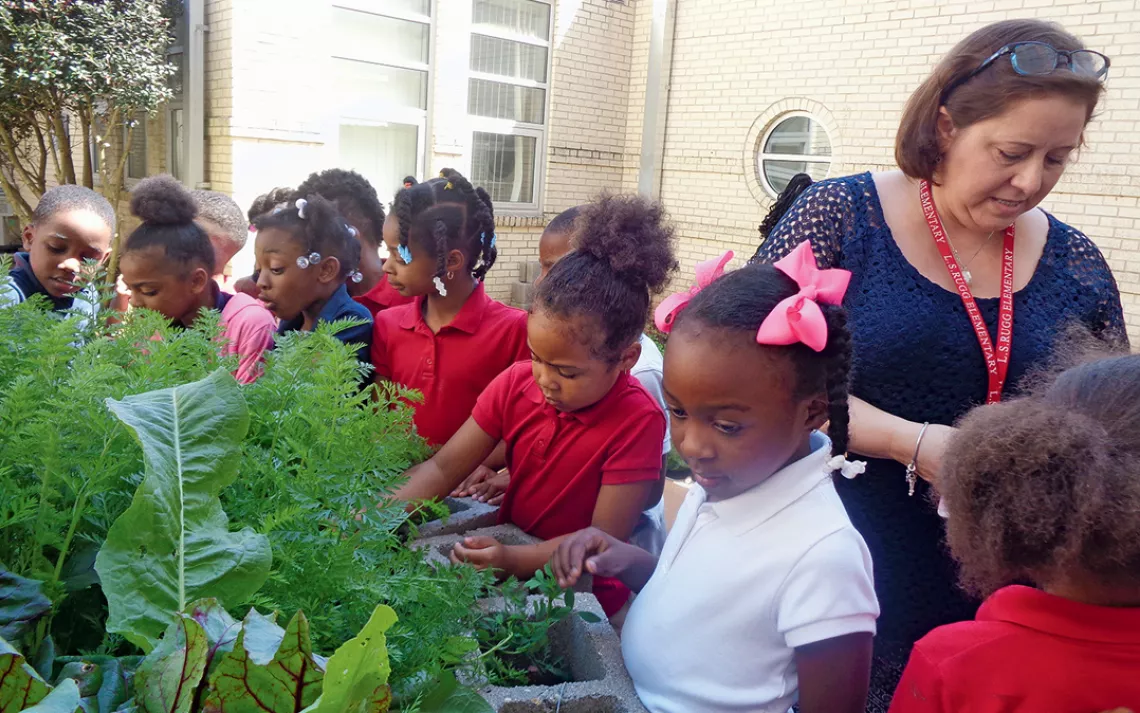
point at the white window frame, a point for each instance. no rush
(396, 115)
(762, 156)
(509, 127)
(142, 118)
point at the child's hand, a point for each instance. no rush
(483, 552)
(484, 485)
(590, 550)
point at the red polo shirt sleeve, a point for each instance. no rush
(920, 688)
(490, 410)
(380, 331)
(636, 456)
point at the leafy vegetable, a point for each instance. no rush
(447, 696)
(105, 682)
(63, 699)
(168, 678)
(268, 671)
(20, 685)
(357, 678)
(22, 603)
(172, 545)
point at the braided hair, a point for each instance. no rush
(742, 299)
(784, 201)
(322, 230)
(445, 214)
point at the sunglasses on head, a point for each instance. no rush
(1037, 58)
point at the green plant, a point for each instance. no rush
(515, 639)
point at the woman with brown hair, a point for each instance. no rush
(961, 285)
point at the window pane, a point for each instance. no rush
(509, 59)
(382, 154)
(372, 38)
(780, 173)
(368, 91)
(521, 17)
(496, 100)
(178, 61)
(410, 7)
(177, 148)
(136, 158)
(505, 166)
(799, 136)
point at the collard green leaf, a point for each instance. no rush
(20, 685)
(104, 681)
(63, 699)
(173, 545)
(44, 660)
(169, 676)
(356, 679)
(246, 682)
(22, 603)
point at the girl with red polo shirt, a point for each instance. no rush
(452, 340)
(583, 437)
(1044, 489)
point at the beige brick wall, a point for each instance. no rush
(738, 64)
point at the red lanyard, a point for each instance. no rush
(997, 361)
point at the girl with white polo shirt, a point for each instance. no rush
(763, 595)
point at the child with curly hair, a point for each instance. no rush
(357, 201)
(168, 264)
(583, 437)
(305, 253)
(452, 340)
(1045, 491)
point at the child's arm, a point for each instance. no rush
(834, 674)
(593, 551)
(615, 513)
(437, 477)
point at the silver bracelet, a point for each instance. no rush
(912, 469)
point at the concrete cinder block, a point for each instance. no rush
(529, 271)
(521, 293)
(466, 515)
(599, 682)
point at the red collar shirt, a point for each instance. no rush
(560, 460)
(382, 296)
(1027, 652)
(452, 367)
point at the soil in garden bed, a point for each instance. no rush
(536, 675)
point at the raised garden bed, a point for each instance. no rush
(466, 514)
(598, 681)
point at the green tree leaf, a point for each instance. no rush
(356, 679)
(22, 603)
(20, 685)
(64, 699)
(172, 545)
(169, 676)
(288, 681)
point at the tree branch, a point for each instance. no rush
(16, 199)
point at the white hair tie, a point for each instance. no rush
(847, 468)
(301, 205)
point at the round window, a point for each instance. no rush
(795, 144)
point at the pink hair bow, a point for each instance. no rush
(707, 273)
(799, 317)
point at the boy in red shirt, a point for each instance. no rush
(452, 339)
(583, 438)
(1044, 489)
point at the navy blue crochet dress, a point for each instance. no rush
(916, 356)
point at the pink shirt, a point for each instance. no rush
(248, 329)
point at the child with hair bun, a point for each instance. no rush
(452, 339)
(305, 253)
(168, 266)
(1044, 491)
(583, 437)
(763, 594)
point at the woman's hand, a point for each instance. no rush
(932, 453)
